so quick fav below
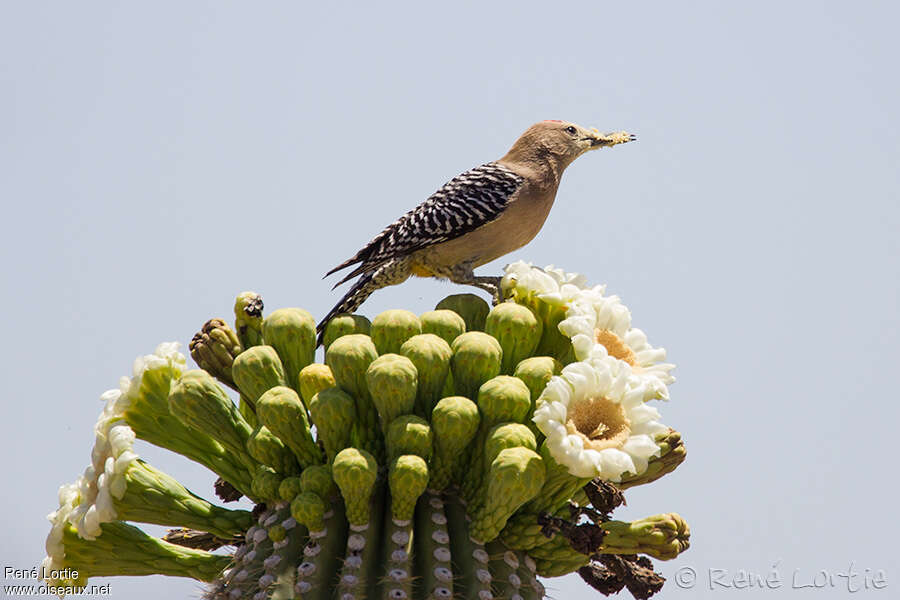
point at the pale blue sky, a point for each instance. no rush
(159, 159)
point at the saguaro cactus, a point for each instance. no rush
(452, 455)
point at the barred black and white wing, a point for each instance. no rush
(463, 204)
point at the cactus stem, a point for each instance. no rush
(322, 557)
(504, 565)
(359, 574)
(262, 546)
(287, 553)
(471, 556)
(531, 588)
(432, 545)
(398, 560)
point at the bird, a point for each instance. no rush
(476, 217)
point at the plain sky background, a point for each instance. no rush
(156, 160)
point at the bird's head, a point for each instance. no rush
(562, 142)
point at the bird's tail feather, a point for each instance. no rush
(363, 268)
(343, 265)
(352, 300)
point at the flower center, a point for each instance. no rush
(600, 422)
(615, 346)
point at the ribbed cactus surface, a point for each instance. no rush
(414, 461)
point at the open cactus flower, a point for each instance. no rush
(463, 452)
(596, 422)
(596, 325)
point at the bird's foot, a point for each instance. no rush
(491, 285)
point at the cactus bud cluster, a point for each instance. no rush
(420, 458)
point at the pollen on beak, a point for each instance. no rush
(607, 140)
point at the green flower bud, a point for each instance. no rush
(345, 325)
(431, 357)
(557, 557)
(292, 332)
(309, 509)
(476, 358)
(517, 330)
(560, 486)
(318, 479)
(553, 342)
(248, 411)
(392, 381)
(334, 413)
(123, 549)
(409, 434)
(473, 309)
(270, 451)
(671, 454)
(145, 494)
(393, 327)
(148, 413)
(313, 379)
(355, 472)
(289, 488)
(449, 386)
(198, 402)
(349, 357)
(503, 398)
(248, 309)
(498, 438)
(214, 348)
(522, 531)
(507, 435)
(256, 370)
(660, 536)
(408, 478)
(515, 477)
(276, 532)
(536, 373)
(282, 412)
(455, 421)
(443, 323)
(266, 483)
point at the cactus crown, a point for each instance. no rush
(446, 455)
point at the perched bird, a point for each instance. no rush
(476, 217)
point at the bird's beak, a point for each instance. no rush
(607, 140)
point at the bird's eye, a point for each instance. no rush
(571, 130)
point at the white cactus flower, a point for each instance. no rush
(88, 502)
(596, 422)
(550, 284)
(598, 325)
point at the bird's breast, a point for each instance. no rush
(419, 269)
(519, 223)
